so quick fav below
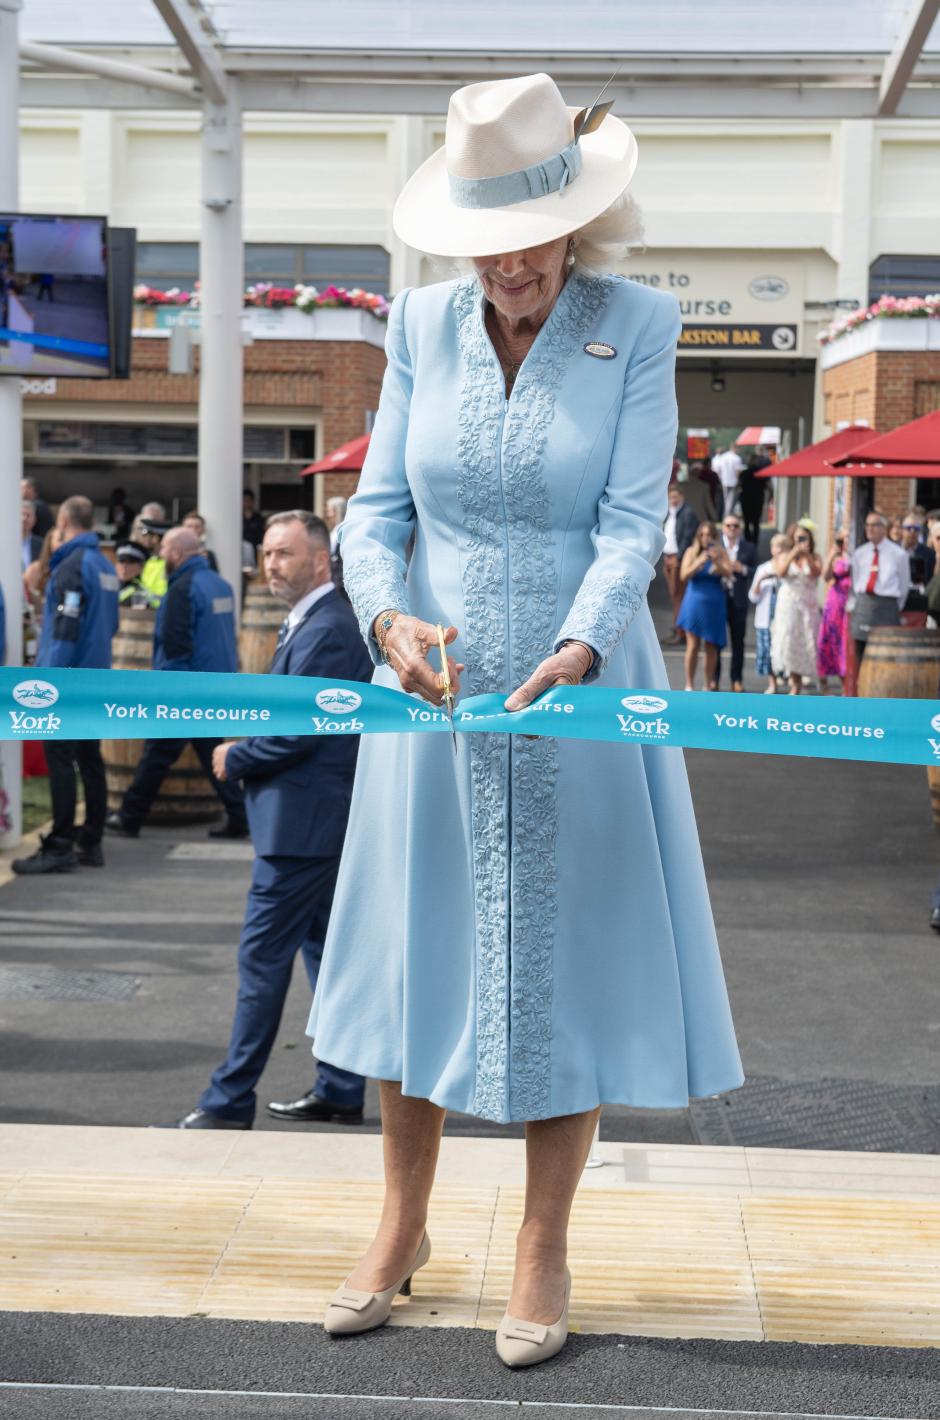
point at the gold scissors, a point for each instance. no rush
(445, 675)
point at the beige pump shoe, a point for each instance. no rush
(525, 1343)
(352, 1311)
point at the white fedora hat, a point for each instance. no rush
(513, 173)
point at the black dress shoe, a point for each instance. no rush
(117, 823)
(90, 855)
(229, 830)
(310, 1109)
(202, 1119)
(934, 917)
(54, 855)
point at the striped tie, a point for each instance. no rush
(283, 634)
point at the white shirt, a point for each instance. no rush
(894, 570)
(669, 528)
(731, 547)
(760, 594)
(299, 610)
(729, 467)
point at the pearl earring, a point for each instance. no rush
(569, 259)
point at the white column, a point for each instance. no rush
(852, 237)
(410, 153)
(221, 276)
(11, 413)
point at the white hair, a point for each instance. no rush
(611, 237)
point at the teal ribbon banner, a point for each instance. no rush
(94, 704)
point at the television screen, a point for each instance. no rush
(54, 314)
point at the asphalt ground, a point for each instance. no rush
(410, 1373)
(821, 874)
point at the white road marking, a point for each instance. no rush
(669, 1410)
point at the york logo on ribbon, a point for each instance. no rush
(338, 701)
(635, 725)
(37, 694)
(935, 744)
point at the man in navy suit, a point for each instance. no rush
(743, 556)
(297, 793)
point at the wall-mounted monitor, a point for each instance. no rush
(55, 306)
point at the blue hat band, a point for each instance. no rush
(553, 175)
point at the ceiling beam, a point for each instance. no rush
(899, 66)
(54, 57)
(192, 29)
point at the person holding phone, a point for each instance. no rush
(703, 615)
(796, 619)
(834, 627)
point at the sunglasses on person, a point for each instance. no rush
(910, 527)
(732, 526)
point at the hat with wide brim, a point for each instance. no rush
(508, 139)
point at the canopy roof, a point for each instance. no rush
(747, 58)
(910, 444)
(348, 458)
(744, 28)
(815, 461)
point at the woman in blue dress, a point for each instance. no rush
(703, 615)
(522, 930)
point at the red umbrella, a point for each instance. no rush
(910, 451)
(348, 458)
(816, 460)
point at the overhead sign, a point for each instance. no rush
(736, 306)
(738, 339)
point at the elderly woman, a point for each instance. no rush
(521, 931)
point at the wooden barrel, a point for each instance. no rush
(262, 618)
(905, 661)
(901, 661)
(186, 795)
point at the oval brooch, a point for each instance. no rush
(600, 350)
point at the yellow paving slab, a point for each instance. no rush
(298, 1243)
(856, 1270)
(665, 1241)
(122, 1245)
(647, 1263)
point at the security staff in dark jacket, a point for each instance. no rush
(194, 631)
(297, 791)
(79, 620)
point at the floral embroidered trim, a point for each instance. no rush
(479, 436)
(534, 764)
(375, 583)
(505, 500)
(601, 612)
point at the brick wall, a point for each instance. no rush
(884, 389)
(335, 380)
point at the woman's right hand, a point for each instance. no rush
(408, 643)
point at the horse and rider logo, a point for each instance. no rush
(337, 701)
(37, 694)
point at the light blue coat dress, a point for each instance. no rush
(523, 931)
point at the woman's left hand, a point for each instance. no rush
(568, 666)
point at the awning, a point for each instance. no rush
(815, 461)
(915, 445)
(348, 458)
(759, 434)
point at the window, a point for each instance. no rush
(166, 264)
(904, 276)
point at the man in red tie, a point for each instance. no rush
(881, 580)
